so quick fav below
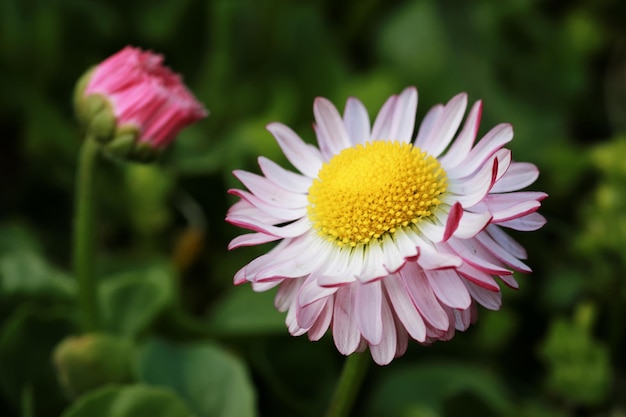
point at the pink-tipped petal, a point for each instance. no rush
(421, 293)
(518, 176)
(290, 181)
(506, 241)
(251, 239)
(449, 288)
(345, 330)
(332, 132)
(472, 224)
(384, 351)
(306, 158)
(528, 223)
(323, 321)
(463, 143)
(491, 300)
(270, 192)
(447, 125)
(406, 311)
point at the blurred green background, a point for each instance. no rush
(179, 335)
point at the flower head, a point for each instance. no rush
(385, 236)
(135, 104)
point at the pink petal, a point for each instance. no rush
(402, 339)
(270, 192)
(306, 158)
(384, 351)
(243, 208)
(282, 213)
(471, 224)
(345, 331)
(432, 258)
(286, 179)
(447, 124)
(332, 132)
(399, 122)
(506, 241)
(474, 254)
(394, 259)
(357, 121)
(478, 277)
(286, 293)
(308, 315)
(495, 139)
(510, 281)
(405, 309)
(530, 222)
(294, 229)
(454, 218)
(323, 322)
(421, 293)
(251, 239)
(311, 291)
(491, 300)
(463, 143)
(462, 319)
(469, 191)
(449, 288)
(368, 311)
(500, 253)
(518, 176)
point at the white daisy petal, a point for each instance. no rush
(295, 229)
(280, 176)
(282, 213)
(518, 176)
(332, 133)
(528, 223)
(286, 293)
(470, 191)
(506, 241)
(491, 300)
(270, 192)
(357, 121)
(447, 124)
(251, 239)
(306, 158)
(471, 224)
(463, 143)
(381, 127)
(402, 122)
(492, 246)
(323, 321)
(478, 277)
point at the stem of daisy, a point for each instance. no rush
(348, 386)
(83, 251)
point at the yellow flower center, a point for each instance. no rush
(372, 189)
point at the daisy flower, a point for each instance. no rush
(385, 236)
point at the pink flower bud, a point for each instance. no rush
(143, 95)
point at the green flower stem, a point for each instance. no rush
(84, 237)
(348, 386)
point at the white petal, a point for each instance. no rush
(308, 315)
(374, 259)
(428, 126)
(270, 192)
(294, 229)
(406, 311)
(251, 239)
(288, 180)
(282, 213)
(475, 254)
(478, 277)
(469, 191)
(506, 241)
(495, 139)
(449, 288)
(463, 143)
(332, 134)
(399, 120)
(518, 176)
(311, 291)
(381, 125)
(394, 259)
(306, 158)
(286, 293)
(530, 222)
(471, 224)
(462, 319)
(447, 125)
(345, 331)
(368, 311)
(357, 121)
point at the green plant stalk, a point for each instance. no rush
(83, 251)
(352, 376)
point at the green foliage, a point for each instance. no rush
(212, 381)
(128, 401)
(579, 365)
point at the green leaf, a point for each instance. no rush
(26, 343)
(212, 381)
(24, 273)
(132, 300)
(15, 236)
(431, 387)
(128, 401)
(245, 312)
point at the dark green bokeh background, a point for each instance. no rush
(556, 70)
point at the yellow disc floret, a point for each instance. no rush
(372, 189)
